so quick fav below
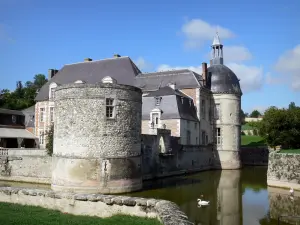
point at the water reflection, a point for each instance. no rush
(236, 197)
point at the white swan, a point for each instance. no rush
(292, 191)
(200, 202)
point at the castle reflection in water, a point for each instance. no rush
(237, 197)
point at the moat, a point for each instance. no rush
(236, 197)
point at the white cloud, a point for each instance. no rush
(142, 64)
(236, 53)
(164, 67)
(289, 66)
(251, 77)
(197, 32)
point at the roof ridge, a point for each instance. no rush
(121, 57)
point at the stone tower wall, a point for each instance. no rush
(229, 122)
(93, 153)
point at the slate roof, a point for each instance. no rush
(11, 112)
(222, 80)
(174, 105)
(183, 78)
(122, 69)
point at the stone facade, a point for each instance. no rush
(283, 170)
(96, 204)
(97, 145)
(227, 128)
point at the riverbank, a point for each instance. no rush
(98, 205)
(14, 214)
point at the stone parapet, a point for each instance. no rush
(96, 204)
(283, 170)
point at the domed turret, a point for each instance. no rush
(225, 87)
(221, 79)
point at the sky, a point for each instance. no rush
(261, 39)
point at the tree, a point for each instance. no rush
(281, 127)
(243, 116)
(50, 137)
(255, 114)
(23, 96)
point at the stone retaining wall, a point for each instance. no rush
(26, 168)
(284, 170)
(254, 156)
(96, 204)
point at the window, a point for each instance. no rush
(52, 93)
(206, 139)
(195, 125)
(203, 137)
(42, 137)
(188, 137)
(110, 108)
(155, 118)
(217, 111)
(42, 114)
(218, 136)
(157, 101)
(51, 114)
(196, 140)
(203, 109)
(14, 119)
(188, 124)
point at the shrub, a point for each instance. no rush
(49, 144)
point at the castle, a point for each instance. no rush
(104, 111)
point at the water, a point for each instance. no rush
(237, 197)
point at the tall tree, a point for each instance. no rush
(255, 114)
(23, 96)
(281, 127)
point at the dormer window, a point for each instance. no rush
(79, 82)
(157, 101)
(52, 91)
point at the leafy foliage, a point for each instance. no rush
(281, 126)
(49, 143)
(23, 96)
(255, 114)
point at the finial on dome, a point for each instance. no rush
(217, 39)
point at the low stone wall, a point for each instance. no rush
(284, 170)
(26, 168)
(254, 156)
(96, 204)
(26, 152)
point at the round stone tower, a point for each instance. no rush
(226, 101)
(97, 144)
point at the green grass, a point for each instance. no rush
(14, 214)
(246, 126)
(294, 151)
(248, 140)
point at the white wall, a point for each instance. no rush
(230, 124)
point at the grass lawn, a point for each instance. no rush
(13, 214)
(248, 140)
(295, 151)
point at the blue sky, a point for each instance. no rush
(262, 39)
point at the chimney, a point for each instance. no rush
(88, 60)
(204, 73)
(51, 73)
(116, 56)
